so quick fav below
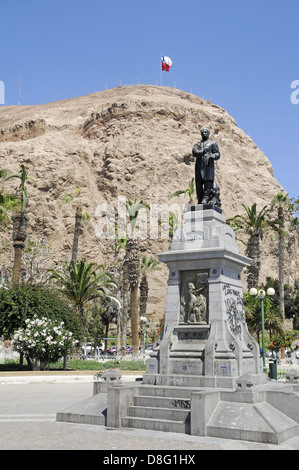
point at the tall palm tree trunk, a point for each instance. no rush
(281, 262)
(124, 310)
(133, 277)
(143, 303)
(143, 295)
(77, 232)
(253, 252)
(18, 248)
(20, 224)
(134, 321)
(82, 317)
(281, 244)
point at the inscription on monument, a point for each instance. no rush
(191, 236)
(234, 309)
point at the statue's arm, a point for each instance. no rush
(197, 150)
(215, 151)
(200, 289)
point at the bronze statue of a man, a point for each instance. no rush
(205, 152)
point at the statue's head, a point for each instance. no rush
(205, 133)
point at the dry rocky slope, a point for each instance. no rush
(134, 142)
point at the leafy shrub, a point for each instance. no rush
(43, 341)
(22, 302)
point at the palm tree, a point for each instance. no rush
(80, 216)
(118, 245)
(190, 192)
(96, 324)
(122, 275)
(272, 316)
(108, 314)
(274, 321)
(124, 294)
(8, 203)
(254, 224)
(147, 265)
(81, 283)
(282, 203)
(172, 224)
(20, 222)
(132, 264)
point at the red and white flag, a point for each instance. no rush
(166, 63)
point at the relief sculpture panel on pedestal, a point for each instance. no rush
(194, 297)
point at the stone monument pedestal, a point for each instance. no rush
(205, 376)
(205, 342)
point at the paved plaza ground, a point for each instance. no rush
(28, 407)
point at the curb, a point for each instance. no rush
(21, 379)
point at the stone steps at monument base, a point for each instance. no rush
(156, 424)
(151, 409)
(187, 381)
(166, 391)
(159, 413)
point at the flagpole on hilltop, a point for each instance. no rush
(160, 69)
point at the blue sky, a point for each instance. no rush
(241, 54)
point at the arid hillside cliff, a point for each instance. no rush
(129, 142)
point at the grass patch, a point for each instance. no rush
(77, 364)
(80, 364)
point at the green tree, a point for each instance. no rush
(172, 224)
(81, 283)
(95, 327)
(43, 341)
(132, 262)
(8, 203)
(20, 222)
(147, 265)
(190, 192)
(81, 216)
(282, 340)
(22, 190)
(253, 224)
(293, 305)
(284, 207)
(120, 273)
(273, 320)
(108, 314)
(24, 301)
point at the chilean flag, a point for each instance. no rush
(166, 63)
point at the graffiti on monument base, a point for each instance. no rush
(234, 306)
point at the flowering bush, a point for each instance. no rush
(275, 344)
(43, 341)
(279, 341)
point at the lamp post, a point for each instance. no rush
(143, 320)
(261, 295)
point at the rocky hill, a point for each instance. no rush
(128, 142)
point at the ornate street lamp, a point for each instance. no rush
(261, 295)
